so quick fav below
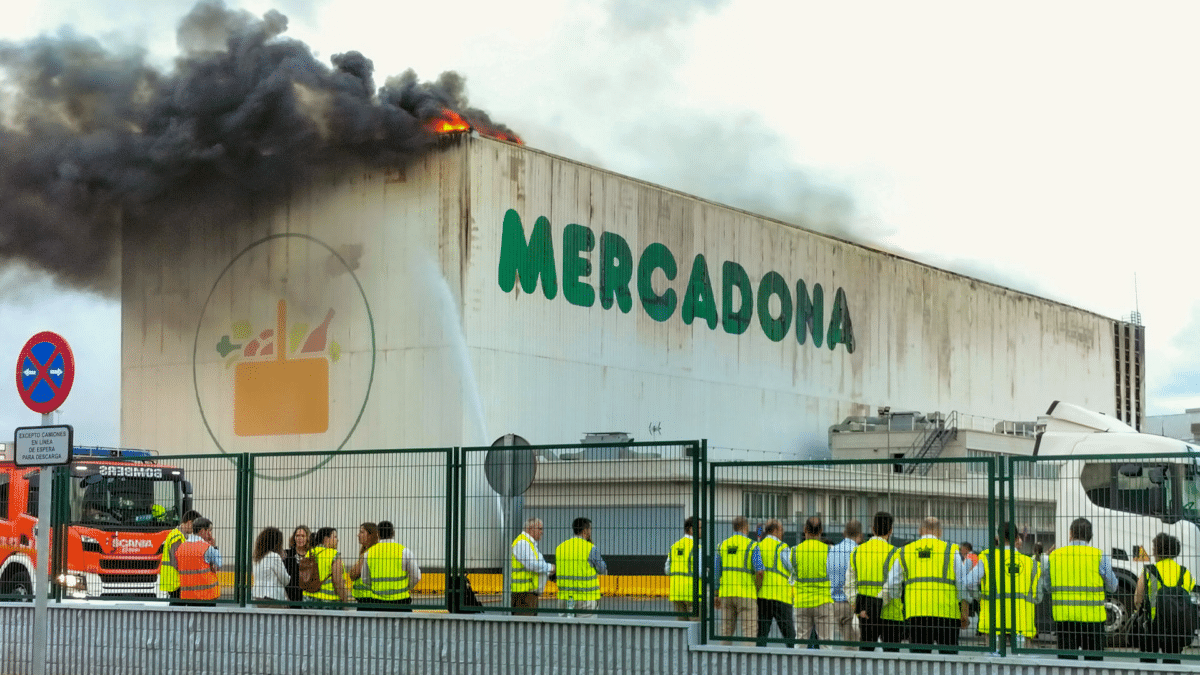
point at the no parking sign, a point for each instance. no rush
(45, 372)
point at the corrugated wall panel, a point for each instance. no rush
(168, 640)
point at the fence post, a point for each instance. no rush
(243, 532)
(453, 546)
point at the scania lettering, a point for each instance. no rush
(121, 506)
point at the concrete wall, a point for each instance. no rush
(171, 641)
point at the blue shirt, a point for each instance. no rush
(836, 565)
(756, 564)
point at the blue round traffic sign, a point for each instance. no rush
(45, 372)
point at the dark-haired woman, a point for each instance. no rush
(329, 569)
(270, 576)
(1149, 585)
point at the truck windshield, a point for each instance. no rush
(98, 501)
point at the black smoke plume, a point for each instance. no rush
(96, 141)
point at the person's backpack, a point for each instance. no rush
(308, 575)
(1174, 613)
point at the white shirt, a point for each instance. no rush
(270, 577)
(526, 552)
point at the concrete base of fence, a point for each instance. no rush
(163, 640)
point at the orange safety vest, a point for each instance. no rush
(197, 580)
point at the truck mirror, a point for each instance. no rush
(1130, 470)
(90, 480)
(1156, 475)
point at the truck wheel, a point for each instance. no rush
(16, 585)
(1119, 608)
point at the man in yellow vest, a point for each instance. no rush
(739, 571)
(390, 573)
(1077, 576)
(578, 568)
(529, 569)
(814, 600)
(869, 567)
(775, 592)
(1013, 593)
(168, 567)
(682, 572)
(932, 576)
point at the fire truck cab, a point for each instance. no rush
(122, 504)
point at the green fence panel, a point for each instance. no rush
(636, 496)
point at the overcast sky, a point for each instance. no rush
(1049, 147)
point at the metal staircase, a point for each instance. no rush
(931, 443)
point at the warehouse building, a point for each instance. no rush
(488, 288)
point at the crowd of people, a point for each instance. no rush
(868, 592)
(859, 593)
(310, 570)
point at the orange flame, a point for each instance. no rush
(449, 122)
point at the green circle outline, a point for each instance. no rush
(200, 323)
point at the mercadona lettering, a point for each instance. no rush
(532, 259)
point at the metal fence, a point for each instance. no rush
(459, 514)
(628, 501)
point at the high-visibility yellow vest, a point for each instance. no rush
(358, 587)
(523, 580)
(872, 562)
(811, 560)
(776, 583)
(929, 586)
(325, 558)
(681, 570)
(737, 569)
(1015, 589)
(386, 576)
(1169, 571)
(1076, 587)
(168, 567)
(576, 578)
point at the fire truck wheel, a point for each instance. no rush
(16, 584)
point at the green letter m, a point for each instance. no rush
(527, 261)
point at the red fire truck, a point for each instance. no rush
(122, 505)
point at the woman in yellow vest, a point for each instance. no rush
(578, 568)
(329, 569)
(368, 536)
(1166, 549)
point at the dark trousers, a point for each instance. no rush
(1085, 635)
(880, 629)
(174, 595)
(933, 630)
(875, 627)
(391, 605)
(525, 600)
(778, 612)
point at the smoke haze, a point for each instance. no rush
(96, 141)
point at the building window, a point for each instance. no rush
(766, 505)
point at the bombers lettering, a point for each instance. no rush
(529, 260)
(123, 471)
